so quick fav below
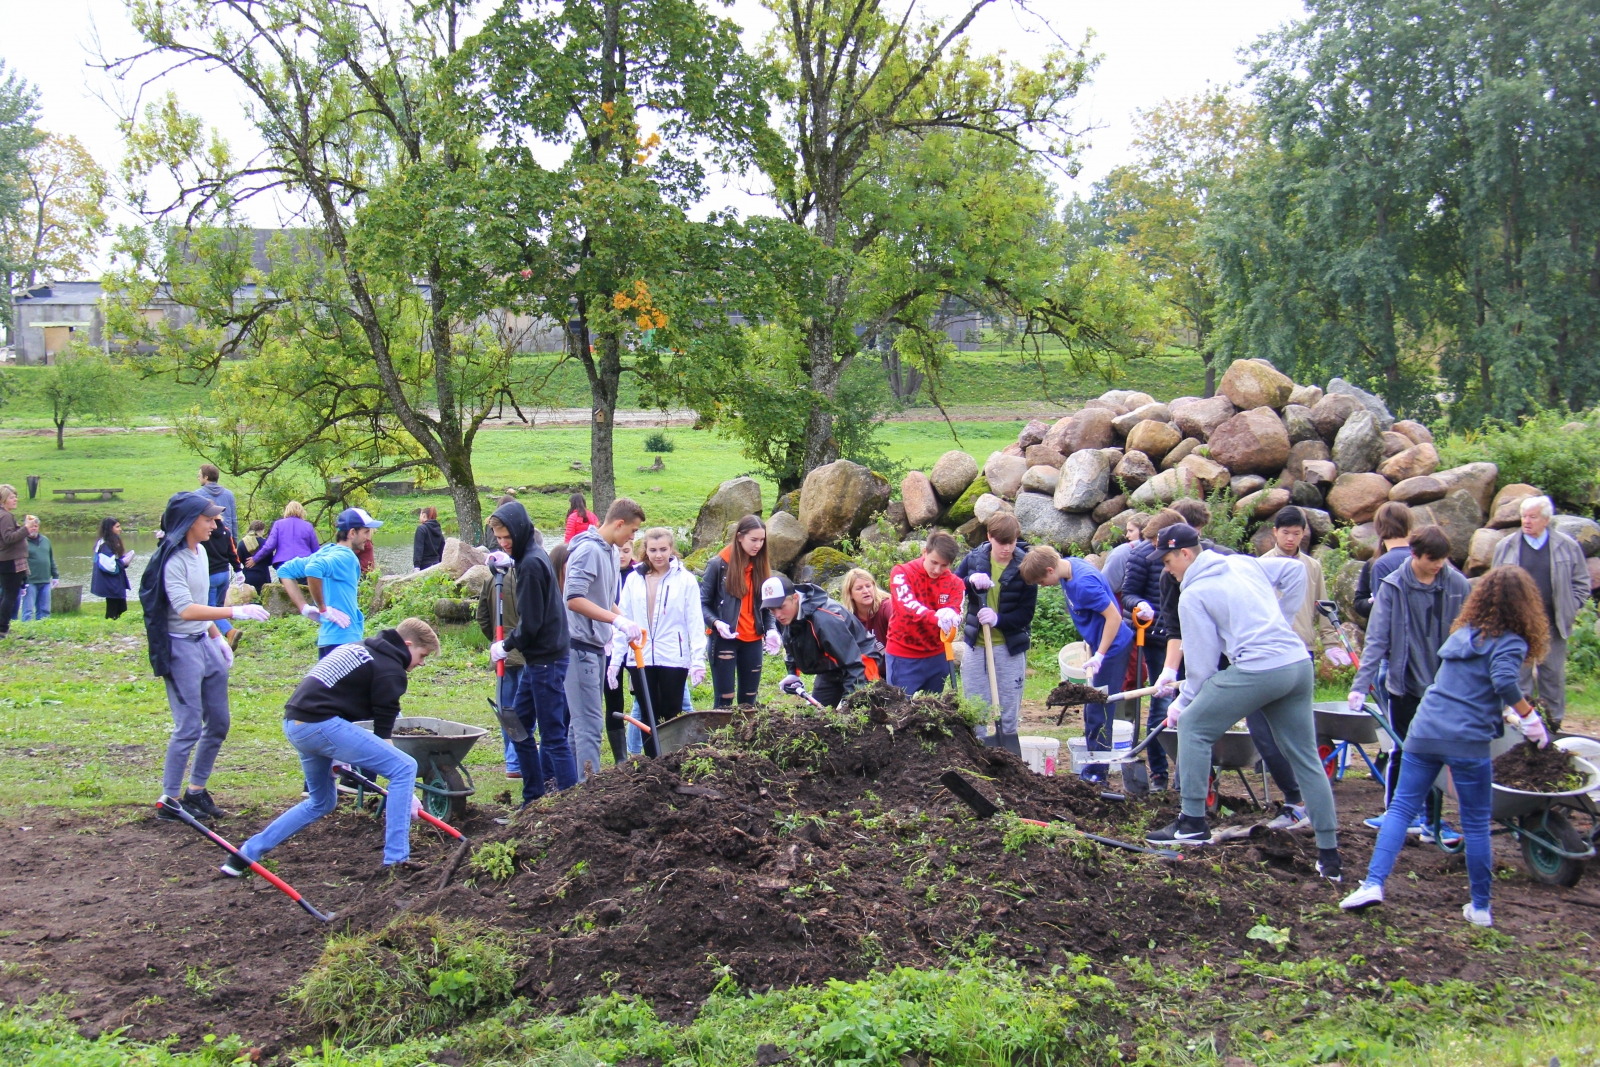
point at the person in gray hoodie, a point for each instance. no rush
(1412, 614)
(1241, 607)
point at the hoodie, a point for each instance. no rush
(355, 682)
(825, 637)
(427, 547)
(1240, 607)
(675, 636)
(540, 633)
(1461, 711)
(591, 574)
(1410, 621)
(230, 510)
(182, 510)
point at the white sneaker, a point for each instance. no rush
(1365, 896)
(1476, 916)
(1290, 817)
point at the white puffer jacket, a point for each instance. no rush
(676, 633)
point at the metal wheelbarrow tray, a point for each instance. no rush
(441, 757)
(689, 728)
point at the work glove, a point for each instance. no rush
(499, 559)
(1356, 700)
(629, 628)
(337, 617)
(1532, 728)
(791, 685)
(988, 617)
(697, 674)
(127, 558)
(1142, 612)
(250, 612)
(772, 644)
(1167, 682)
(949, 619)
(416, 807)
(1339, 657)
(611, 674)
(981, 582)
(1174, 711)
(725, 631)
(497, 652)
(312, 612)
(227, 653)
(1092, 665)
(237, 579)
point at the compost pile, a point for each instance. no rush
(415, 731)
(798, 847)
(1536, 770)
(1068, 694)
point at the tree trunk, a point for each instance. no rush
(603, 387)
(61, 425)
(821, 448)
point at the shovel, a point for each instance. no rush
(648, 727)
(1136, 776)
(382, 792)
(984, 808)
(800, 691)
(1330, 611)
(271, 879)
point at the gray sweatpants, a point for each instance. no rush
(197, 693)
(1552, 672)
(1283, 696)
(1009, 674)
(586, 707)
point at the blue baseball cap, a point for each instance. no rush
(357, 519)
(1178, 535)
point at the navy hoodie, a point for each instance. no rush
(182, 510)
(541, 630)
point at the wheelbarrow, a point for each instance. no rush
(441, 762)
(689, 728)
(1338, 730)
(1233, 751)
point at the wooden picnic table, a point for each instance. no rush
(71, 496)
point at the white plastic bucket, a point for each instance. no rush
(1071, 659)
(1040, 753)
(1122, 734)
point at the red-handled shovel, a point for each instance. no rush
(277, 883)
(422, 813)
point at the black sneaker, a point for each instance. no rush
(235, 866)
(201, 806)
(166, 809)
(1330, 864)
(1159, 783)
(1183, 829)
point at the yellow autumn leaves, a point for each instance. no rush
(648, 315)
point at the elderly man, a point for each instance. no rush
(1555, 562)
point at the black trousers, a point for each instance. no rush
(734, 662)
(828, 688)
(11, 583)
(115, 606)
(664, 686)
(616, 730)
(1402, 710)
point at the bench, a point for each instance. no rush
(71, 496)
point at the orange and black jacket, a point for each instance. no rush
(825, 637)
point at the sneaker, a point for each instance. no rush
(1330, 864)
(235, 866)
(403, 867)
(1159, 783)
(166, 809)
(201, 806)
(1183, 829)
(1365, 896)
(514, 775)
(1447, 835)
(1476, 916)
(233, 637)
(1290, 817)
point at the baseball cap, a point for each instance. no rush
(357, 519)
(214, 511)
(775, 590)
(1178, 535)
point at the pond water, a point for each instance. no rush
(72, 552)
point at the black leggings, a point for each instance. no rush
(730, 659)
(11, 583)
(665, 688)
(115, 606)
(616, 730)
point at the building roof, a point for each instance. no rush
(61, 293)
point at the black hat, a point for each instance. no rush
(775, 590)
(1289, 516)
(1178, 535)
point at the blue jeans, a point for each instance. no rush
(541, 704)
(319, 745)
(35, 601)
(926, 674)
(1474, 780)
(1097, 718)
(217, 596)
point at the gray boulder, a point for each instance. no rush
(1330, 413)
(1084, 481)
(1134, 469)
(1199, 418)
(1041, 479)
(1373, 404)
(951, 475)
(1584, 531)
(839, 498)
(1123, 423)
(1042, 523)
(1459, 514)
(1004, 474)
(1297, 420)
(1358, 446)
(786, 538)
(730, 502)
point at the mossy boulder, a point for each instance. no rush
(696, 561)
(820, 565)
(962, 511)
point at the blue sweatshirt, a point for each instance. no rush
(1461, 711)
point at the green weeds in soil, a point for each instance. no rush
(498, 859)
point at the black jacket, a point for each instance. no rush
(355, 683)
(1144, 579)
(825, 637)
(1171, 593)
(427, 548)
(1018, 599)
(182, 510)
(716, 603)
(222, 553)
(541, 630)
(1373, 572)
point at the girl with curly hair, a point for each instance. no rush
(1501, 626)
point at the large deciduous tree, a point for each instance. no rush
(19, 112)
(56, 232)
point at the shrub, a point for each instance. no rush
(658, 441)
(1052, 626)
(1524, 453)
(412, 598)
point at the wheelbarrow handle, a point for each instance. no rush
(422, 813)
(625, 717)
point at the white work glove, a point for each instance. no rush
(54, 582)
(611, 674)
(127, 558)
(311, 612)
(1092, 665)
(236, 580)
(227, 653)
(791, 685)
(697, 674)
(1356, 700)
(725, 632)
(1339, 657)
(987, 616)
(981, 582)
(772, 644)
(497, 651)
(337, 617)
(499, 559)
(629, 628)
(251, 613)
(1167, 682)
(1532, 728)
(416, 807)
(1174, 711)
(1143, 612)
(949, 619)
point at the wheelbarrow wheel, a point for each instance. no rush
(445, 775)
(1543, 863)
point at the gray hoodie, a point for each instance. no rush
(1410, 622)
(230, 508)
(591, 574)
(1241, 607)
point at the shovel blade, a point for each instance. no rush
(509, 722)
(1136, 779)
(968, 794)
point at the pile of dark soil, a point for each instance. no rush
(1068, 694)
(1536, 770)
(415, 731)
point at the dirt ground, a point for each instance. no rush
(789, 853)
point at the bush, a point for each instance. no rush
(658, 441)
(412, 598)
(1052, 626)
(1565, 463)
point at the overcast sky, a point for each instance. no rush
(1153, 50)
